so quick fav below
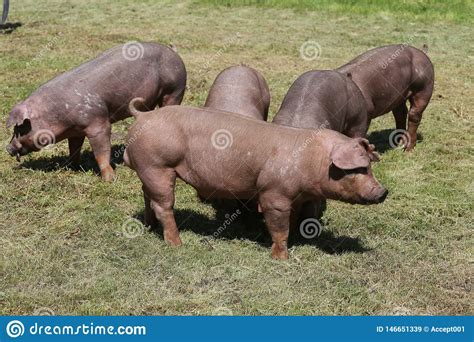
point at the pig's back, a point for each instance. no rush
(310, 101)
(221, 151)
(384, 61)
(385, 75)
(115, 72)
(242, 90)
(206, 123)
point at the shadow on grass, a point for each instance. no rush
(88, 163)
(8, 28)
(381, 140)
(331, 244)
(251, 226)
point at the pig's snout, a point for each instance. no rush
(382, 196)
(377, 195)
(11, 150)
(14, 151)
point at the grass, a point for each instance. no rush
(425, 10)
(62, 238)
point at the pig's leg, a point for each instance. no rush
(400, 115)
(294, 234)
(150, 218)
(277, 211)
(75, 145)
(160, 188)
(278, 224)
(418, 103)
(313, 209)
(358, 127)
(99, 138)
(309, 210)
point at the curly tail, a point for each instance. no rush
(424, 48)
(132, 107)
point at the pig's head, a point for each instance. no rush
(350, 175)
(27, 137)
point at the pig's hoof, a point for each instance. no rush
(280, 255)
(174, 242)
(107, 175)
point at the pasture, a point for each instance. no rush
(72, 244)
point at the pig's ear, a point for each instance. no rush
(350, 155)
(370, 148)
(18, 114)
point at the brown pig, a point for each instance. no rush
(85, 101)
(324, 99)
(242, 90)
(227, 155)
(390, 75)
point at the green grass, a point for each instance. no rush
(62, 239)
(425, 10)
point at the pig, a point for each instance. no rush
(390, 75)
(226, 155)
(324, 99)
(85, 101)
(242, 90)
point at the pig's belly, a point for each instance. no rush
(217, 183)
(386, 97)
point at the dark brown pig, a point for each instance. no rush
(227, 155)
(242, 90)
(85, 101)
(388, 76)
(324, 99)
